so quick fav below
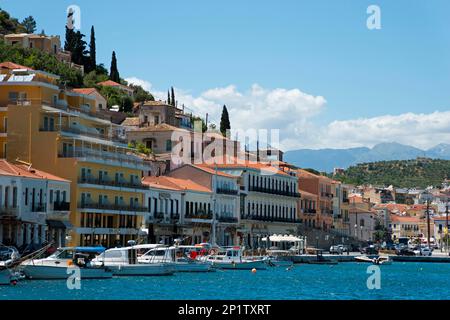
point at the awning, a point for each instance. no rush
(282, 238)
(57, 224)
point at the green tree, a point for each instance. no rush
(9, 24)
(29, 24)
(92, 51)
(224, 121)
(172, 97)
(168, 97)
(140, 147)
(140, 94)
(113, 71)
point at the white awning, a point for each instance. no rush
(282, 238)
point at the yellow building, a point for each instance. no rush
(61, 132)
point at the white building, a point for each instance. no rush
(268, 200)
(33, 206)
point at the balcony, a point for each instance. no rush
(112, 207)
(269, 219)
(227, 191)
(276, 192)
(121, 159)
(227, 219)
(110, 183)
(309, 211)
(326, 195)
(61, 105)
(61, 206)
(200, 215)
(39, 208)
(9, 212)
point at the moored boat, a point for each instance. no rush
(181, 257)
(62, 263)
(232, 258)
(124, 262)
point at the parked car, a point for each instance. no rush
(405, 252)
(369, 250)
(344, 248)
(335, 250)
(425, 251)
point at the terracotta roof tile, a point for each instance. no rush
(170, 183)
(130, 121)
(22, 170)
(11, 65)
(86, 91)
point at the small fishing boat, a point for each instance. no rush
(232, 258)
(181, 257)
(124, 262)
(378, 260)
(60, 264)
(320, 259)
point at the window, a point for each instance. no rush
(45, 124)
(156, 119)
(14, 204)
(168, 145)
(26, 195)
(13, 96)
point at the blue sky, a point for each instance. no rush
(320, 48)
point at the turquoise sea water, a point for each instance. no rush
(342, 281)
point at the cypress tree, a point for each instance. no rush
(92, 51)
(114, 73)
(172, 100)
(168, 97)
(224, 121)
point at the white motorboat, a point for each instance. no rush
(182, 258)
(376, 260)
(124, 262)
(232, 258)
(60, 265)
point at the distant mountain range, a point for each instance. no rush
(328, 159)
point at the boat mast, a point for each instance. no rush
(213, 225)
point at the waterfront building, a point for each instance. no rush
(321, 186)
(225, 197)
(34, 206)
(61, 131)
(100, 101)
(268, 200)
(307, 208)
(178, 208)
(406, 226)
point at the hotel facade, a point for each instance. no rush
(61, 131)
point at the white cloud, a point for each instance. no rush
(139, 82)
(419, 130)
(293, 112)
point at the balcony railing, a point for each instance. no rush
(119, 184)
(200, 215)
(61, 206)
(276, 192)
(102, 155)
(115, 207)
(226, 191)
(39, 208)
(227, 219)
(270, 219)
(9, 211)
(98, 135)
(310, 211)
(62, 105)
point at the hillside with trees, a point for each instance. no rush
(420, 172)
(82, 53)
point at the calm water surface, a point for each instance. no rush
(342, 281)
